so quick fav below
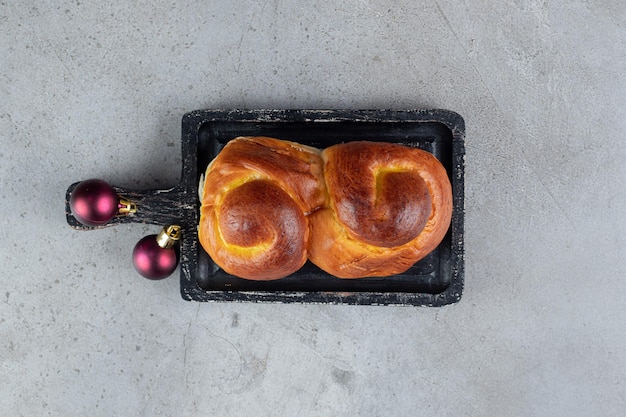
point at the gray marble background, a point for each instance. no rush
(93, 90)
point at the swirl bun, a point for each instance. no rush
(256, 199)
(388, 206)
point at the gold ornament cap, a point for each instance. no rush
(126, 207)
(169, 236)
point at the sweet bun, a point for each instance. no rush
(256, 200)
(387, 207)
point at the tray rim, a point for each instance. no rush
(191, 124)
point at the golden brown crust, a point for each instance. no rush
(356, 210)
(256, 197)
(388, 207)
(379, 199)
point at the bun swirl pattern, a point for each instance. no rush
(387, 207)
(256, 200)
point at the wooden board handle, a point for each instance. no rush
(161, 207)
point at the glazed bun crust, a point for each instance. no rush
(382, 201)
(387, 207)
(256, 198)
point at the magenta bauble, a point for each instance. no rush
(94, 202)
(153, 261)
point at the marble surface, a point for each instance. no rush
(89, 89)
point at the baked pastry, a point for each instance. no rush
(387, 207)
(255, 202)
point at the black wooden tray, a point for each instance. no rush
(434, 281)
